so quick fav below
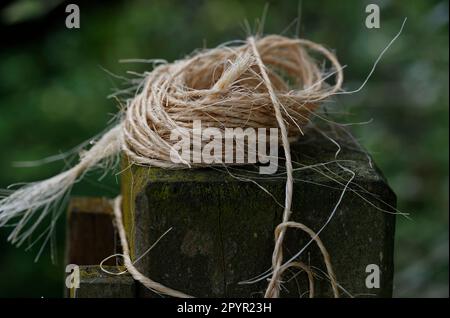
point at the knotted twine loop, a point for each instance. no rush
(265, 82)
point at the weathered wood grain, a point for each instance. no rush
(95, 283)
(91, 236)
(222, 227)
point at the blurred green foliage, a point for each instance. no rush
(53, 96)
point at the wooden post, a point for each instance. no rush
(90, 232)
(90, 239)
(95, 283)
(222, 227)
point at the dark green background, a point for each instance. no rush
(53, 97)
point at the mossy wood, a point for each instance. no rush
(222, 227)
(95, 283)
(91, 238)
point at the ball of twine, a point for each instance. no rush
(225, 87)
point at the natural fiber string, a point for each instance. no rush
(161, 289)
(277, 257)
(263, 83)
(44, 196)
(323, 250)
(223, 88)
(147, 282)
(308, 271)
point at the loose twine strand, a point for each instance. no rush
(147, 282)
